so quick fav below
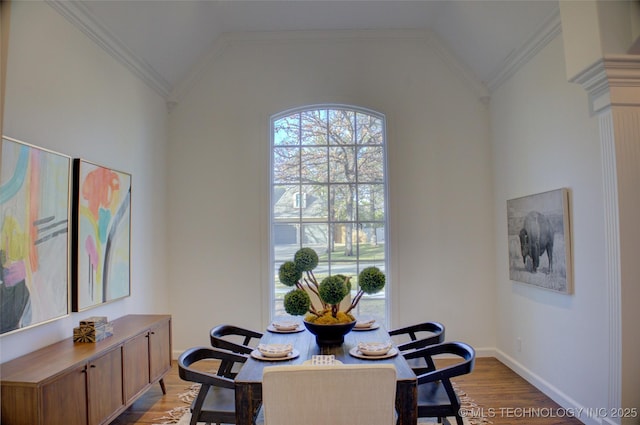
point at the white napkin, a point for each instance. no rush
(365, 323)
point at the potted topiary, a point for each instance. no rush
(326, 320)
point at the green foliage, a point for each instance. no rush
(332, 289)
(371, 280)
(346, 281)
(297, 302)
(289, 273)
(306, 259)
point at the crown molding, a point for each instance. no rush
(550, 28)
(78, 14)
(479, 89)
(235, 38)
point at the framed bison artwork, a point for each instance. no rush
(540, 240)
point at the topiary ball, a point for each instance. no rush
(332, 289)
(347, 282)
(371, 280)
(289, 274)
(306, 259)
(297, 302)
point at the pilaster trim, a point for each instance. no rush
(613, 279)
(78, 14)
(607, 74)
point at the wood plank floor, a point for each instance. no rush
(503, 396)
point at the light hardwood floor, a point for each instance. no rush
(503, 396)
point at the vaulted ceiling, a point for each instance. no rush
(163, 40)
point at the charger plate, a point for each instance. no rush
(370, 328)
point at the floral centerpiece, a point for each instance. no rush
(330, 291)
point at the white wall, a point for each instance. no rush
(66, 94)
(441, 206)
(544, 139)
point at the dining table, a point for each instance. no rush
(248, 381)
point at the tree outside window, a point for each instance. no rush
(329, 193)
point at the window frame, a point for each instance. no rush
(385, 184)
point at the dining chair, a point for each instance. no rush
(234, 338)
(436, 395)
(215, 402)
(350, 394)
(417, 336)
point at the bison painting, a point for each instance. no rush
(539, 225)
(536, 238)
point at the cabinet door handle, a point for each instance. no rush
(92, 366)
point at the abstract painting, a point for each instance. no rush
(34, 227)
(101, 241)
(540, 240)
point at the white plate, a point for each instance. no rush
(258, 355)
(356, 353)
(370, 328)
(273, 329)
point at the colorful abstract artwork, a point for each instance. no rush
(34, 230)
(101, 251)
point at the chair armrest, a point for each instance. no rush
(223, 376)
(206, 378)
(460, 349)
(436, 328)
(420, 343)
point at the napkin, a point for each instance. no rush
(323, 359)
(364, 323)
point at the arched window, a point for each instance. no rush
(328, 192)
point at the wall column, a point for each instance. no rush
(613, 85)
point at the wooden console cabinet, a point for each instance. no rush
(87, 383)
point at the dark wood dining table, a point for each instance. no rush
(249, 379)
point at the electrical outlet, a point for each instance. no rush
(519, 345)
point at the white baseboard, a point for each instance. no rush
(568, 404)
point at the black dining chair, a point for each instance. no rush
(215, 402)
(436, 396)
(417, 336)
(234, 338)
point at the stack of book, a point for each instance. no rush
(93, 329)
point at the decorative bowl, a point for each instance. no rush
(275, 350)
(374, 348)
(328, 335)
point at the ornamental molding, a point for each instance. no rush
(80, 16)
(548, 30)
